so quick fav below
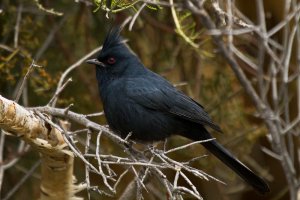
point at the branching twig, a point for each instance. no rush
(72, 67)
(19, 92)
(55, 96)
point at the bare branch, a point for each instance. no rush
(19, 92)
(55, 96)
(72, 67)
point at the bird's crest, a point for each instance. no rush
(112, 39)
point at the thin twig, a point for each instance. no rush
(58, 91)
(100, 163)
(72, 67)
(47, 10)
(17, 27)
(18, 95)
(95, 114)
(136, 16)
(49, 38)
(188, 145)
(87, 175)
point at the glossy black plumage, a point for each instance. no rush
(142, 102)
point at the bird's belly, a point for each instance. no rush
(144, 124)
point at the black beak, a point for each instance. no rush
(95, 62)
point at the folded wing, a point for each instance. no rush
(169, 99)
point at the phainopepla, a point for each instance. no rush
(142, 102)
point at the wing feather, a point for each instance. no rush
(169, 99)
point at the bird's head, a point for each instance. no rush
(114, 55)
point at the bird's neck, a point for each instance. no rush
(103, 83)
(103, 79)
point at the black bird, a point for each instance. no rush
(142, 102)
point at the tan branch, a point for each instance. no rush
(57, 160)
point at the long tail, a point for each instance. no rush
(238, 167)
(228, 159)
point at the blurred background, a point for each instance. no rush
(57, 41)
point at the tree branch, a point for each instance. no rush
(57, 160)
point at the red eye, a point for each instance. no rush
(111, 60)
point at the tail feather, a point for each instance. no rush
(238, 167)
(200, 133)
